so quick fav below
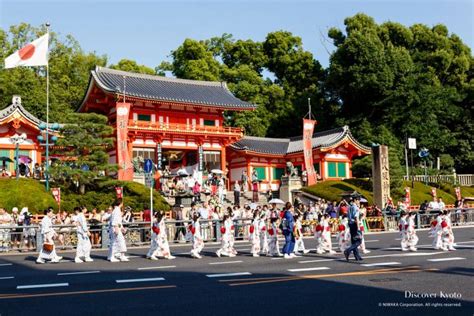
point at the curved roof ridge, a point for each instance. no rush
(267, 138)
(161, 78)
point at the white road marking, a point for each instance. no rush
(79, 272)
(398, 239)
(381, 264)
(446, 259)
(139, 280)
(226, 262)
(162, 267)
(184, 253)
(6, 278)
(465, 246)
(5, 264)
(371, 240)
(308, 269)
(227, 274)
(279, 258)
(320, 260)
(37, 286)
(464, 242)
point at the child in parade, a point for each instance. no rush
(403, 227)
(254, 235)
(343, 235)
(262, 229)
(84, 245)
(411, 232)
(159, 239)
(273, 244)
(318, 231)
(447, 232)
(299, 243)
(326, 242)
(196, 236)
(226, 236)
(117, 246)
(48, 249)
(436, 232)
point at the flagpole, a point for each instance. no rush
(47, 112)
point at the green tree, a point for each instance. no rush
(132, 66)
(86, 138)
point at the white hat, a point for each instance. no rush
(15, 209)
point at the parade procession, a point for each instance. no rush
(236, 157)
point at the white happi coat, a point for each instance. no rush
(411, 232)
(255, 237)
(117, 244)
(263, 235)
(299, 243)
(273, 245)
(326, 242)
(83, 241)
(403, 227)
(197, 239)
(159, 242)
(344, 237)
(226, 238)
(48, 233)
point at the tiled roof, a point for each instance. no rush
(204, 93)
(283, 146)
(16, 106)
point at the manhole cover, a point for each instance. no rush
(385, 280)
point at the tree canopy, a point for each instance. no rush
(386, 81)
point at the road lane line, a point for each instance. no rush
(5, 264)
(380, 264)
(140, 280)
(446, 259)
(7, 278)
(279, 258)
(151, 268)
(78, 272)
(37, 286)
(319, 260)
(371, 240)
(226, 262)
(227, 274)
(10, 296)
(308, 269)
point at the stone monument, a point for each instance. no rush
(380, 175)
(290, 182)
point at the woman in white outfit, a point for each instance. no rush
(411, 232)
(48, 249)
(117, 246)
(159, 239)
(83, 251)
(226, 236)
(194, 230)
(299, 243)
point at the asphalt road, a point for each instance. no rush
(387, 282)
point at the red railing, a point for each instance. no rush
(184, 128)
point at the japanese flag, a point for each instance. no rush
(33, 54)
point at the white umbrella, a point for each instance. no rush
(217, 171)
(253, 206)
(276, 201)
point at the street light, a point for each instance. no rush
(46, 139)
(17, 140)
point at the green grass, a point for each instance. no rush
(332, 190)
(32, 194)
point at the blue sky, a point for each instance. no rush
(146, 31)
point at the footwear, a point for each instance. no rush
(346, 255)
(280, 255)
(413, 249)
(451, 248)
(444, 248)
(332, 252)
(297, 253)
(123, 258)
(59, 258)
(153, 258)
(319, 251)
(170, 257)
(366, 251)
(218, 253)
(113, 259)
(359, 259)
(287, 256)
(293, 255)
(198, 256)
(404, 249)
(256, 255)
(89, 259)
(232, 255)
(78, 260)
(305, 251)
(39, 260)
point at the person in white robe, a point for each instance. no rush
(262, 229)
(159, 239)
(117, 246)
(273, 244)
(299, 243)
(84, 246)
(403, 227)
(344, 235)
(254, 235)
(48, 234)
(194, 230)
(227, 236)
(411, 232)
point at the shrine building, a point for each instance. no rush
(180, 123)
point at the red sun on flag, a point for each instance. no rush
(26, 52)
